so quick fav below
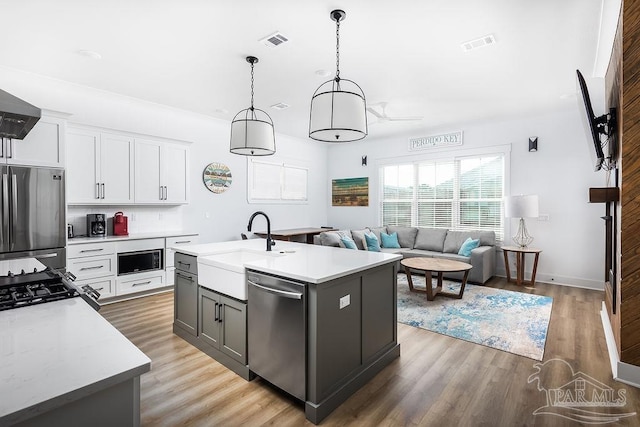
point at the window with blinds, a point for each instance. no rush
(457, 194)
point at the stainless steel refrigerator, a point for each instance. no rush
(32, 214)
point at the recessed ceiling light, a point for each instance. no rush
(280, 106)
(323, 73)
(221, 111)
(90, 54)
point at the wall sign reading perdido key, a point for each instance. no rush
(433, 141)
(217, 177)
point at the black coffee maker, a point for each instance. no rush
(96, 225)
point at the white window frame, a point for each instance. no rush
(284, 195)
(504, 150)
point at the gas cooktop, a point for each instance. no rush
(25, 289)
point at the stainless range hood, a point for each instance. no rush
(17, 117)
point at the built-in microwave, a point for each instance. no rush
(139, 261)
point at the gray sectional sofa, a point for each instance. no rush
(429, 242)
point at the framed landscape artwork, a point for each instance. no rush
(350, 192)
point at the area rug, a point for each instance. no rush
(509, 321)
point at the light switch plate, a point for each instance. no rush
(345, 301)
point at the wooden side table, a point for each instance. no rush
(520, 255)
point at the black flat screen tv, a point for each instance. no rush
(594, 126)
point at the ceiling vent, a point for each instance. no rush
(274, 40)
(478, 43)
(280, 106)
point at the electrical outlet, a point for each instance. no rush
(207, 215)
(345, 301)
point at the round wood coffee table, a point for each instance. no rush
(435, 265)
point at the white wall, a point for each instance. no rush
(560, 173)
(217, 217)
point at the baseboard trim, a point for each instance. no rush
(563, 281)
(623, 372)
(142, 294)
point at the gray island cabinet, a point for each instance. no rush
(350, 312)
(212, 322)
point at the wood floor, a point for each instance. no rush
(437, 380)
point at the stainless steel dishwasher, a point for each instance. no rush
(277, 326)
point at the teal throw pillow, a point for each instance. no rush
(389, 240)
(468, 246)
(348, 243)
(372, 242)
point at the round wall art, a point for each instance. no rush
(217, 177)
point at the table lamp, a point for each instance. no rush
(523, 206)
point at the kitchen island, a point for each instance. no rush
(63, 364)
(349, 300)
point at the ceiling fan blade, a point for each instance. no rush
(375, 113)
(405, 119)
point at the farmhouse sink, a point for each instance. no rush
(225, 272)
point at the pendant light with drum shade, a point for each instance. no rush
(252, 131)
(338, 106)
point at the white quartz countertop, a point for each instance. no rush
(136, 236)
(57, 352)
(300, 261)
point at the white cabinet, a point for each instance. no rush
(43, 145)
(161, 172)
(99, 167)
(140, 282)
(94, 264)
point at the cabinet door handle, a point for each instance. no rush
(141, 283)
(215, 312)
(184, 263)
(97, 190)
(220, 312)
(102, 185)
(99, 289)
(166, 193)
(10, 155)
(2, 148)
(91, 250)
(97, 267)
(184, 277)
(181, 242)
(160, 197)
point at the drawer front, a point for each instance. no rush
(91, 267)
(91, 249)
(175, 241)
(186, 263)
(106, 286)
(141, 282)
(139, 245)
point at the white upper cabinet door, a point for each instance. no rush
(116, 168)
(161, 172)
(83, 168)
(148, 187)
(43, 145)
(174, 172)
